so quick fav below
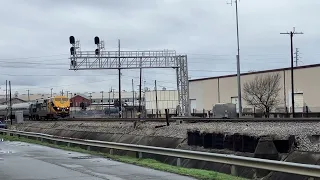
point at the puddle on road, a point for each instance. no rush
(5, 152)
(72, 165)
(83, 157)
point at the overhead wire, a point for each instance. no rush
(53, 65)
(64, 85)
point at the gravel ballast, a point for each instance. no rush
(303, 131)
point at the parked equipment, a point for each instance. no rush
(224, 110)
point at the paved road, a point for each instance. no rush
(25, 161)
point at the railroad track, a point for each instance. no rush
(189, 120)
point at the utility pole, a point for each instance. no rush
(119, 55)
(101, 100)
(292, 83)
(7, 98)
(90, 96)
(51, 92)
(109, 100)
(112, 95)
(28, 95)
(144, 98)
(132, 95)
(238, 61)
(155, 88)
(71, 100)
(10, 103)
(296, 56)
(62, 92)
(140, 81)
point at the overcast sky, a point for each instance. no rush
(35, 46)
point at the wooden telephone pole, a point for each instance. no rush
(291, 33)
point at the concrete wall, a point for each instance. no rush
(207, 92)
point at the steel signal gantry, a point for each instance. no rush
(100, 59)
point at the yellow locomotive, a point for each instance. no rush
(52, 108)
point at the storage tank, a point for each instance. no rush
(3, 110)
(21, 106)
(24, 107)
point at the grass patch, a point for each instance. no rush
(150, 163)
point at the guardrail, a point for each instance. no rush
(279, 166)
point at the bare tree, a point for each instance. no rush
(263, 92)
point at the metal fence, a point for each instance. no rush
(126, 113)
(91, 114)
(152, 113)
(259, 114)
(272, 165)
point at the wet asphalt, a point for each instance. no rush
(23, 161)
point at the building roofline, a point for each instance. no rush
(81, 95)
(4, 100)
(257, 72)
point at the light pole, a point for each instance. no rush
(28, 95)
(112, 95)
(90, 95)
(109, 100)
(238, 62)
(101, 100)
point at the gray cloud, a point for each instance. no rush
(34, 31)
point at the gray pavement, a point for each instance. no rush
(23, 161)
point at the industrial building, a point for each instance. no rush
(150, 103)
(204, 93)
(165, 99)
(14, 100)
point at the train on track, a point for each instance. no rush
(51, 108)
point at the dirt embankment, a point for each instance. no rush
(306, 133)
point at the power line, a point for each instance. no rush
(50, 75)
(43, 87)
(33, 57)
(208, 57)
(64, 85)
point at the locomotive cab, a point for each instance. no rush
(60, 106)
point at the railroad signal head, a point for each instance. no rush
(97, 51)
(72, 51)
(72, 40)
(96, 40)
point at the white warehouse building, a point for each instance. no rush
(166, 99)
(204, 93)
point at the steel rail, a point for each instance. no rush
(189, 120)
(279, 166)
